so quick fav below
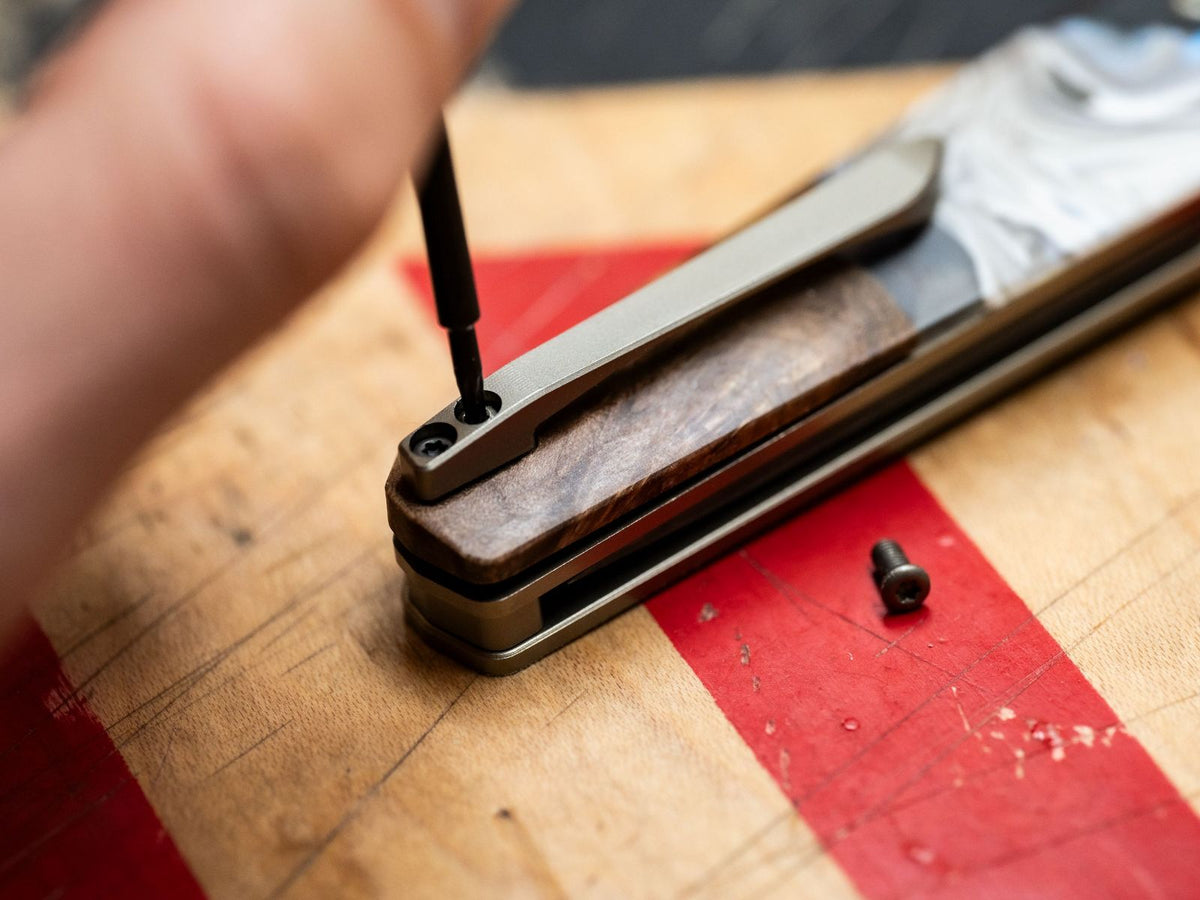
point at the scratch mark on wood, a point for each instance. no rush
(1048, 845)
(1020, 687)
(298, 553)
(977, 775)
(806, 854)
(289, 628)
(895, 642)
(308, 658)
(538, 867)
(575, 700)
(266, 737)
(886, 805)
(200, 698)
(106, 624)
(796, 597)
(955, 679)
(352, 812)
(1140, 595)
(162, 762)
(961, 712)
(1176, 702)
(100, 739)
(151, 626)
(1167, 518)
(229, 562)
(225, 653)
(39, 841)
(184, 683)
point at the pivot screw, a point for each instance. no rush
(902, 585)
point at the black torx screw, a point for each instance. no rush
(902, 585)
(433, 439)
(431, 446)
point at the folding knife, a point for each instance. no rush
(1042, 200)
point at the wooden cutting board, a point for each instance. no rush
(228, 627)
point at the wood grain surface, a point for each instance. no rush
(231, 616)
(744, 376)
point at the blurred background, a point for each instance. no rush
(555, 43)
(568, 42)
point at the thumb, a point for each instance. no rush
(186, 174)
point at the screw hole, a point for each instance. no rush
(491, 402)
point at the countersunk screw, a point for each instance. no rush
(433, 439)
(431, 446)
(902, 585)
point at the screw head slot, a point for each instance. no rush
(903, 586)
(433, 439)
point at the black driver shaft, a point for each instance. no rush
(452, 277)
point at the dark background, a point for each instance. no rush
(550, 43)
(567, 42)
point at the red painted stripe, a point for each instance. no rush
(922, 750)
(73, 820)
(956, 750)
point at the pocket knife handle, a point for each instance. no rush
(887, 191)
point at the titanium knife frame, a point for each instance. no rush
(501, 628)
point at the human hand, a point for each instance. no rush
(186, 173)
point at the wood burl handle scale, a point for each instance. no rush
(742, 376)
(775, 326)
(890, 190)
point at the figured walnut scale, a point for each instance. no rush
(744, 375)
